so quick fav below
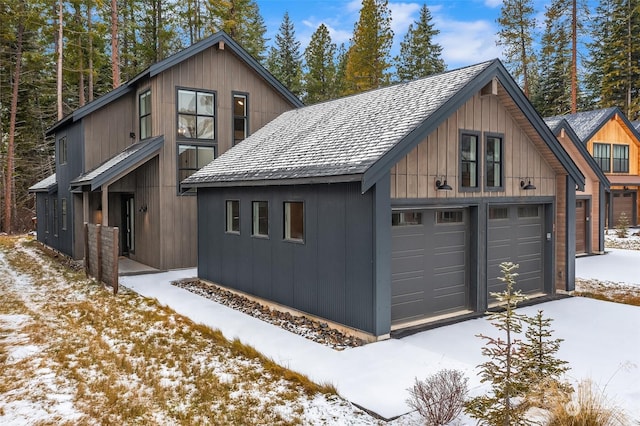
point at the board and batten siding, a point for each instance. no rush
(330, 274)
(213, 70)
(414, 176)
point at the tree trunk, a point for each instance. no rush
(8, 191)
(90, 71)
(59, 61)
(115, 67)
(574, 58)
(81, 98)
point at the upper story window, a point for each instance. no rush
(469, 160)
(240, 117)
(145, 114)
(493, 162)
(196, 114)
(62, 150)
(602, 155)
(620, 158)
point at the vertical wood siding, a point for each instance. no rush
(414, 176)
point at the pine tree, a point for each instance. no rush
(615, 56)
(368, 56)
(320, 76)
(541, 364)
(284, 60)
(419, 55)
(506, 369)
(517, 22)
(552, 94)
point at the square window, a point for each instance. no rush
(260, 218)
(294, 220)
(196, 114)
(192, 158)
(233, 216)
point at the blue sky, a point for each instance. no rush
(467, 27)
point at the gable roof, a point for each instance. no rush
(171, 61)
(557, 124)
(120, 164)
(48, 185)
(587, 123)
(360, 137)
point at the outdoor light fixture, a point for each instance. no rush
(528, 186)
(143, 209)
(442, 185)
(132, 135)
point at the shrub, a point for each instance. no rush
(588, 407)
(622, 226)
(439, 398)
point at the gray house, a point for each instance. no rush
(120, 159)
(395, 207)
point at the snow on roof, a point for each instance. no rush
(587, 122)
(336, 138)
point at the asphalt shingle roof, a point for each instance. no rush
(44, 185)
(586, 123)
(336, 138)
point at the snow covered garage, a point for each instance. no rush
(392, 208)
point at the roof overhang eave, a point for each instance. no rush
(274, 182)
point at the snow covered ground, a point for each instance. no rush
(601, 343)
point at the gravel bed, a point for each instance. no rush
(317, 331)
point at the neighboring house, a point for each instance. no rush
(614, 144)
(590, 202)
(393, 207)
(120, 159)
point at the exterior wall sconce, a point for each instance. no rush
(528, 186)
(142, 209)
(442, 185)
(132, 135)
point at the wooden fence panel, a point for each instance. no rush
(102, 246)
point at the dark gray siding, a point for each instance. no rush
(65, 173)
(330, 275)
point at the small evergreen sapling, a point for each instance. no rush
(506, 369)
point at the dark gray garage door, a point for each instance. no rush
(429, 263)
(516, 234)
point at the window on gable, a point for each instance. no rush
(294, 220)
(469, 160)
(233, 216)
(192, 158)
(602, 155)
(621, 158)
(62, 150)
(260, 219)
(196, 114)
(240, 117)
(493, 162)
(145, 114)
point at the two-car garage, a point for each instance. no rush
(437, 254)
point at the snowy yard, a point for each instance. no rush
(72, 352)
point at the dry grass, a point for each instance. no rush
(610, 292)
(125, 359)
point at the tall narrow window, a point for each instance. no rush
(196, 113)
(493, 162)
(602, 155)
(294, 221)
(55, 217)
(469, 160)
(260, 219)
(62, 150)
(46, 215)
(63, 213)
(240, 117)
(620, 158)
(145, 114)
(233, 216)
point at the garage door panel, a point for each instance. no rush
(442, 286)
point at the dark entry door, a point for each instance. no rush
(128, 224)
(429, 265)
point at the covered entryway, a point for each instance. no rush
(581, 226)
(516, 234)
(430, 263)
